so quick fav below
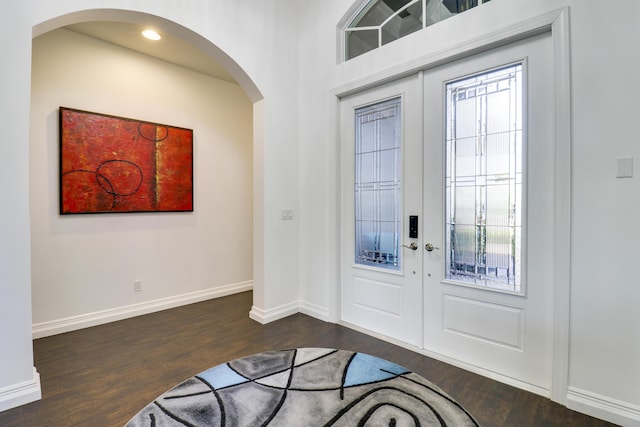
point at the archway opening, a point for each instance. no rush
(87, 269)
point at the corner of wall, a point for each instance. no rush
(315, 311)
(22, 393)
(267, 316)
(277, 313)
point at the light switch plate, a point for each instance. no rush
(625, 167)
(287, 214)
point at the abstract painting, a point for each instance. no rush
(115, 164)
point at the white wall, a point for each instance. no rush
(82, 264)
(605, 319)
(19, 383)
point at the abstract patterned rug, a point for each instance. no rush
(305, 387)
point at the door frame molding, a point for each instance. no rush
(556, 22)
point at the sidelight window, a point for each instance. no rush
(484, 179)
(378, 184)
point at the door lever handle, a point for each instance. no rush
(429, 247)
(413, 246)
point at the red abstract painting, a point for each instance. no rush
(114, 164)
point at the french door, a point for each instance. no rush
(382, 186)
(473, 161)
(488, 206)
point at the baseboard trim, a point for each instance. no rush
(285, 310)
(257, 314)
(315, 311)
(68, 324)
(273, 314)
(21, 393)
(603, 407)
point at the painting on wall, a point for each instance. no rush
(115, 164)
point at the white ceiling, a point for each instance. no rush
(169, 48)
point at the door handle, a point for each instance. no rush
(429, 247)
(413, 246)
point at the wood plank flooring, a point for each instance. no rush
(102, 376)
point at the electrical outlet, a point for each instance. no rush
(137, 286)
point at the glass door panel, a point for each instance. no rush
(378, 184)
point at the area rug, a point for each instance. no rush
(305, 387)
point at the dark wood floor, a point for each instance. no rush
(102, 376)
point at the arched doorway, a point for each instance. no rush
(198, 23)
(93, 75)
(187, 35)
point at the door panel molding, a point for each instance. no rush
(463, 316)
(380, 296)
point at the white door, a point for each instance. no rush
(489, 212)
(381, 183)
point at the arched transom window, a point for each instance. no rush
(379, 22)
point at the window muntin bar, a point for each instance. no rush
(382, 21)
(484, 178)
(378, 184)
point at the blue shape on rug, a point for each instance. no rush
(222, 376)
(365, 369)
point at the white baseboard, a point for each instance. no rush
(603, 407)
(270, 315)
(258, 315)
(273, 314)
(59, 326)
(21, 393)
(320, 313)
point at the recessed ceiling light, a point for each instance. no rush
(151, 35)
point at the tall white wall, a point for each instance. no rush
(18, 381)
(605, 319)
(82, 264)
(604, 346)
